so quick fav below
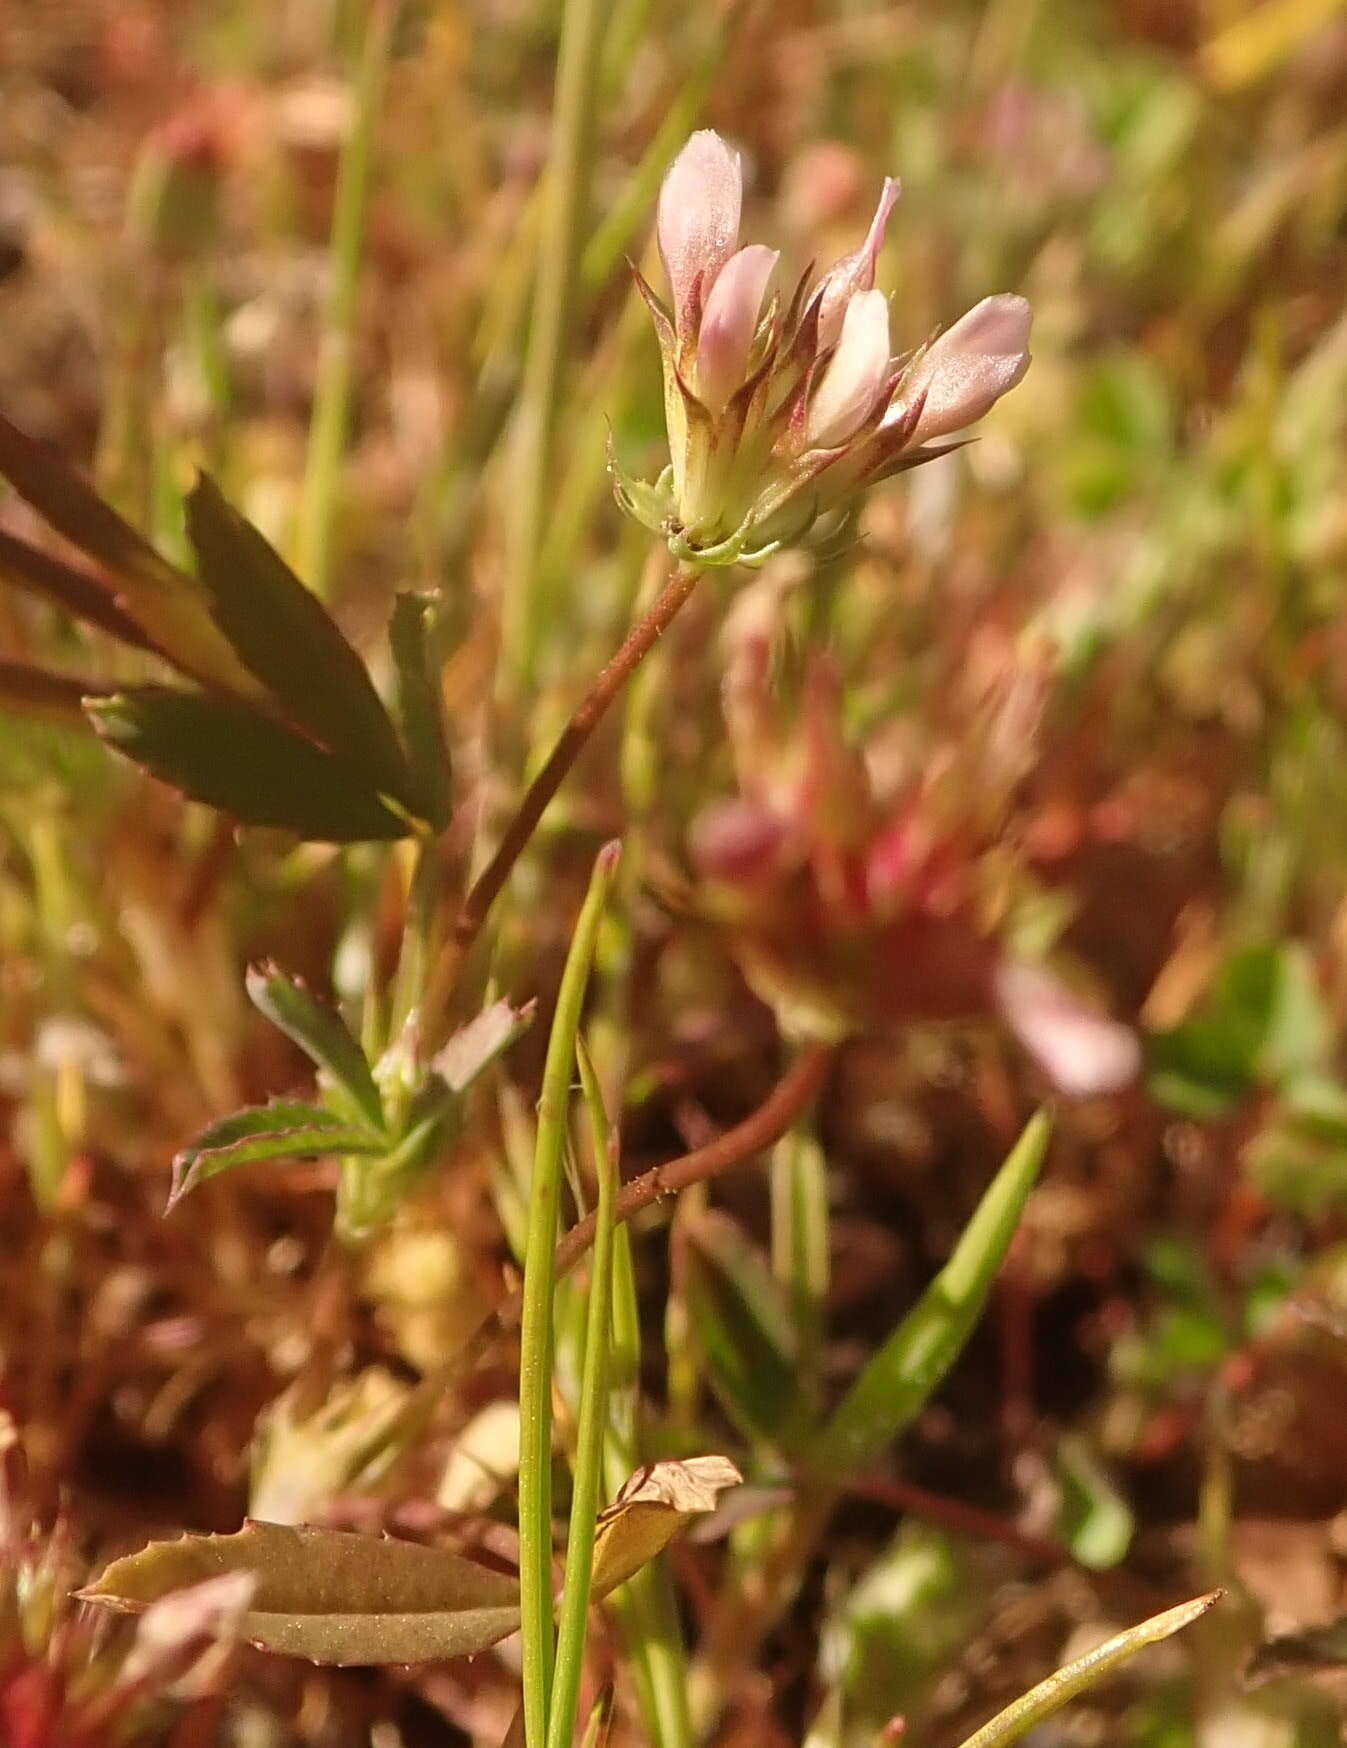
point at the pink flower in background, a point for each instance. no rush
(848, 912)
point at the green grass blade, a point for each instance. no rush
(331, 403)
(593, 1421)
(535, 1357)
(1049, 1696)
(569, 177)
(895, 1386)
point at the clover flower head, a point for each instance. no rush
(852, 908)
(780, 411)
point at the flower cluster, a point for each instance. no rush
(778, 416)
(853, 911)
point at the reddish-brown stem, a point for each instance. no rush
(486, 888)
(787, 1099)
(979, 1525)
(767, 1124)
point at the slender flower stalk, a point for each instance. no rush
(486, 888)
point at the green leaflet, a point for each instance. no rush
(321, 1034)
(284, 1130)
(288, 640)
(164, 602)
(742, 1322)
(419, 708)
(899, 1380)
(230, 756)
(81, 592)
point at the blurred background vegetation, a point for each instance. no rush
(1157, 516)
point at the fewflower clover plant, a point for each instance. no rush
(779, 417)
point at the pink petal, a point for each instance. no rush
(698, 219)
(967, 370)
(855, 273)
(855, 373)
(737, 841)
(730, 321)
(1082, 1052)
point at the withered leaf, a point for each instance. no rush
(330, 1595)
(648, 1513)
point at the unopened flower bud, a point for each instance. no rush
(968, 368)
(729, 321)
(855, 374)
(698, 223)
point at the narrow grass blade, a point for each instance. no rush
(593, 1419)
(535, 1341)
(800, 1251)
(895, 1386)
(645, 1607)
(600, 1725)
(566, 192)
(1051, 1695)
(331, 403)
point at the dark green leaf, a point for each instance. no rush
(159, 597)
(39, 692)
(46, 480)
(321, 1034)
(742, 1324)
(1201, 1069)
(420, 708)
(899, 1380)
(232, 757)
(1272, 993)
(285, 636)
(283, 1130)
(79, 592)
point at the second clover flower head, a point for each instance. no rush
(781, 411)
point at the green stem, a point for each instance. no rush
(589, 1437)
(568, 175)
(331, 403)
(535, 1358)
